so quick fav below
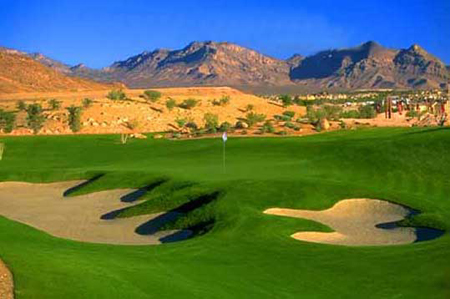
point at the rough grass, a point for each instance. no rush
(247, 254)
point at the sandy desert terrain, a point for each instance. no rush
(107, 116)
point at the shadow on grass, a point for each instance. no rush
(156, 224)
(74, 189)
(430, 130)
(133, 196)
(422, 233)
(176, 237)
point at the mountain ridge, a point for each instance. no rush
(22, 72)
(209, 63)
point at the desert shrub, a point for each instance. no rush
(282, 117)
(239, 125)
(244, 132)
(302, 120)
(267, 127)
(289, 125)
(314, 115)
(225, 100)
(132, 124)
(54, 104)
(7, 121)
(192, 126)
(188, 103)
(225, 127)
(319, 127)
(253, 118)
(116, 95)
(75, 118)
(332, 112)
(286, 100)
(21, 106)
(181, 122)
(350, 114)
(343, 125)
(87, 102)
(298, 101)
(249, 107)
(35, 118)
(367, 111)
(170, 104)
(291, 114)
(296, 128)
(152, 95)
(412, 113)
(282, 133)
(211, 122)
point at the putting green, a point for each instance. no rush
(238, 252)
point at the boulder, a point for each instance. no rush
(241, 125)
(138, 136)
(324, 124)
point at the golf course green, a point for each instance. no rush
(237, 251)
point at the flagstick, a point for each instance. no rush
(224, 169)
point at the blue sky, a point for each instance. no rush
(98, 33)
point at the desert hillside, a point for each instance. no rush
(21, 73)
(137, 114)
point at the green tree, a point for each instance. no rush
(35, 118)
(7, 121)
(286, 100)
(152, 95)
(21, 106)
(367, 111)
(87, 102)
(75, 118)
(54, 104)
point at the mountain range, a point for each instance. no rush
(22, 72)
(367, 66)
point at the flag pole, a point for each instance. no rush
(224, 139)
(224, 169)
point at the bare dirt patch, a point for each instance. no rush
(354, 222)
(44, 207)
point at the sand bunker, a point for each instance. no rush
(354, 222)
(6, 283)
(44, 207)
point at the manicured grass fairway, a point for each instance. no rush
(247, 254)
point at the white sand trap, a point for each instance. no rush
(77, 218)
(354, 223)
(6, 283)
